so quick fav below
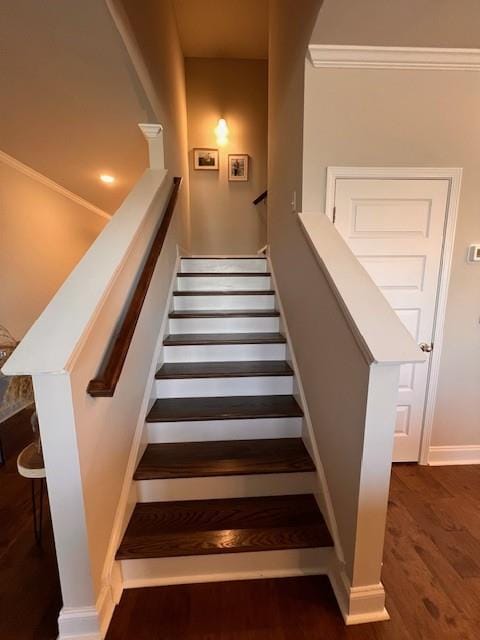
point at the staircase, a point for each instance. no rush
(225, 487)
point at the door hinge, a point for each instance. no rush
(334, 214)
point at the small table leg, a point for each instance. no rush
(37, 519)
(2, 452)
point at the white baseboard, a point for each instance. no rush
(358, 605)
(449, 455)
(79, 624)
(156, 572)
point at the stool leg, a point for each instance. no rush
(37, 520)
(2, 453)
(40, 525)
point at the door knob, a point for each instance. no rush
(426, 346)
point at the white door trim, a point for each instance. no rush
(454, 176)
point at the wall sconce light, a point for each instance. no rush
(221, 132)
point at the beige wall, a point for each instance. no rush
(155, 32)
(407, 23)
(224, 220)
(44, 234)
(412, 118)
(70, 99)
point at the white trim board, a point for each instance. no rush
(454, 175)
(54, 186)
(374, 57)
(449, 455)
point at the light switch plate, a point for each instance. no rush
(473, 253)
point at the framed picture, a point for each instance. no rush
(205, 159)
(238, 167)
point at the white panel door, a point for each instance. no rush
(395, 227)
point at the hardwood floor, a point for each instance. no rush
(224, 408)
(223, 458)
(29, 588)
(232, 525)
(431, 574)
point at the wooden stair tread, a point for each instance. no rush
(223, 274)
(242, 368)
(226, 292)
(180, 339)
(224, 408)
(224, 458)
(254, 256)
(226, 313)
(199, 527)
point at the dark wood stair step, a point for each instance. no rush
(236, 369)
(224, 458)
(226, 292)
(223, 274)
(226, 313)
(253, 257)
(224, 408)
(200, 527)
(181, 339)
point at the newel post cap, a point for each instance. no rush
(151, 130)
(154, 136)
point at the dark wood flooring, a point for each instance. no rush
(186, 339)
(235, 369)
(29, 588)
(223, 408)
(431, 574)
(233, 525)
(223, 458)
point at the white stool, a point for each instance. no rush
(30, 465)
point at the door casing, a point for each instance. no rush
(454, 177)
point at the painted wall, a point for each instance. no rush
(408, 23)
(43, 236)
(224, 220)
(154, 47)
(412, 118)
(73, 100)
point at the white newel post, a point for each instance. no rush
(154, 135)
(54, 404)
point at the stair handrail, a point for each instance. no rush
(106, 380)
(263, 196)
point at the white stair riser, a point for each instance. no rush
(210, 430)
(271, 484)
(207, 303)
(224, 352)
(226, 265)
(224, 325)
(150, 572)
(224, 283)
(220, 387)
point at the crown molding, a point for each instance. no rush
(369, 57)
(39, 177)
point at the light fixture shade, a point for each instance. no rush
(221, 132)
(107, 179)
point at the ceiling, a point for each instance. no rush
(65, 69)
(223, 29)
